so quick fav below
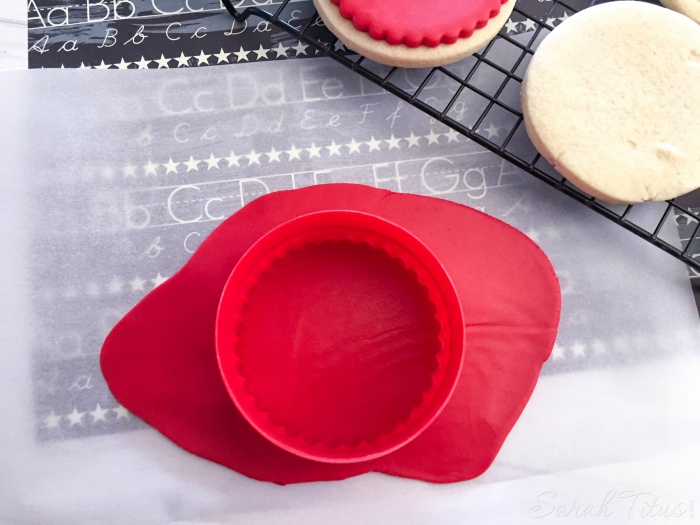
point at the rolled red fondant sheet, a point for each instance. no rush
(160, 359)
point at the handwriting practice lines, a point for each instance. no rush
(156, 34)
(140, 34)
(179, 33)
(127, 173)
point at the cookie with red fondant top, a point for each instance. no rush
(412, 34)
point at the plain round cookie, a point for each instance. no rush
(689, 8)
(612, 99)
(402, 55)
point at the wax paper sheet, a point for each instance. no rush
(142, 34)
(13, 28)
(111, 179)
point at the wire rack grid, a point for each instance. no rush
(539, 15)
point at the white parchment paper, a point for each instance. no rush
(13, 35)
(110, 179)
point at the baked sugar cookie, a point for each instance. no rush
(413, 33)
(689, 8)
(612, 99)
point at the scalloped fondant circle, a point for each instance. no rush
(339, 336)
(416, 23)
(308, 343)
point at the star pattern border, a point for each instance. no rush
(210, 59)
(77, 418)
(294, 153)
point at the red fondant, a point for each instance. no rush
(340, 336)
(160, 360)
(419, 23)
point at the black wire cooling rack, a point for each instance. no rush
(540, 16)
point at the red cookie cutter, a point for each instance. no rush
(297, 367)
